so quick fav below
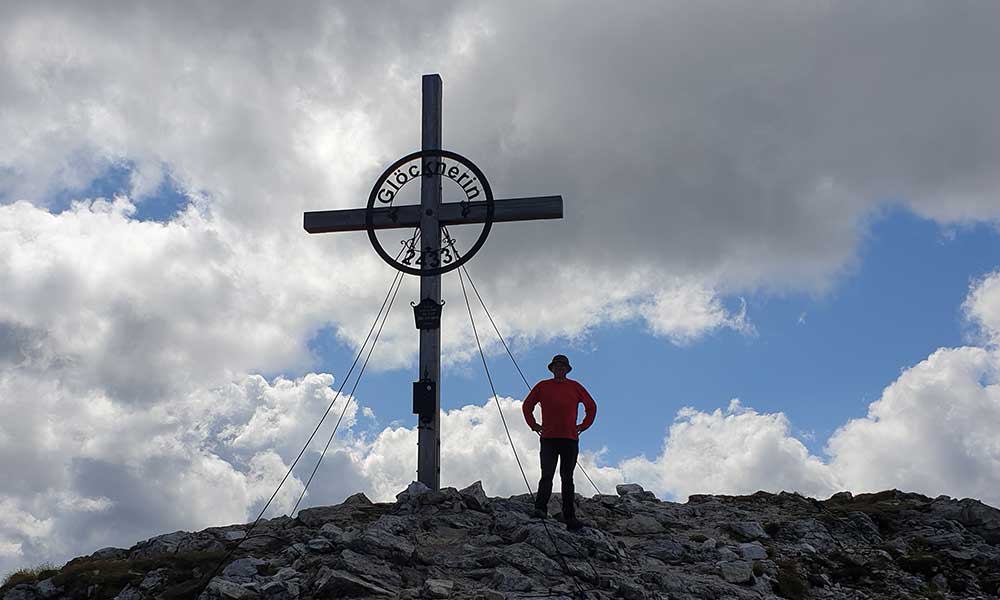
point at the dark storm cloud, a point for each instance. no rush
(744, 140)
(15, 343)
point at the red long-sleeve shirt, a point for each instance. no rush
(559, 399)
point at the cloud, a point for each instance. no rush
(86, 471)
(92, 472)
(692, 172)
(114, 474)
(687, 172)
(738, 451)
(754, 158)
(686, 313)
(982, 308)
(147, 310)
(932, 431)
(474, 446)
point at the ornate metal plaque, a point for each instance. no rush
(427, 314)
(414, 167)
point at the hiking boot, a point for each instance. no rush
(576, 525)
(539, 514)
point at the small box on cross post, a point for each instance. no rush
(427, 314)
(424, 397)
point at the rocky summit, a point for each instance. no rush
(461, 544)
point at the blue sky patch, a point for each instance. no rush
(162, 205)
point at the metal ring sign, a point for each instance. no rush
(414, 167)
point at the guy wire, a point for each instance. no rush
(246, 536)
(482, 355)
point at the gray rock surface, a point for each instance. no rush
(227, 590)
(242, 568)
(462, 544)
(746, 531)
(736, 571)
(475, 497)
(337, 583)
(439, 588)
(752, 551)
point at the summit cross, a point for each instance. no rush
(430, 216)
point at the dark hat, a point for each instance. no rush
(560, 359)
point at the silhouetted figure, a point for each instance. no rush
(560, 439)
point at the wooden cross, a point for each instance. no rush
(430, 216)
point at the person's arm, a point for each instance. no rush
(590, 407)
(528, 408)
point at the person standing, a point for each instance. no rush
(560, 434)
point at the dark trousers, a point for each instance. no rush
(565, 451)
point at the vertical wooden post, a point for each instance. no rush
(429, 427)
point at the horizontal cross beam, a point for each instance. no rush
(510, 209)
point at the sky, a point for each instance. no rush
(777, 267)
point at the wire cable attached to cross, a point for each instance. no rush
(525, 380)
(389, 298)
(527, 385)
(514, 360)
(398, 282)
(580, 590)
(382, 316)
